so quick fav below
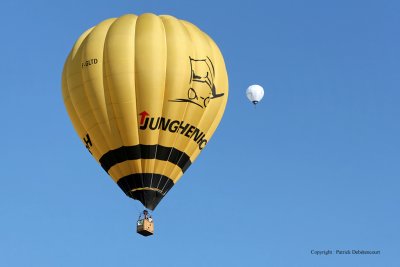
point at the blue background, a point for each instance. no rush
(314, 167)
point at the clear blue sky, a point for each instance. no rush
(315, 167)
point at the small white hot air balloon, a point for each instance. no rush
(255, 93)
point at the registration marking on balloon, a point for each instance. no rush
(173, 126)
(89, 62)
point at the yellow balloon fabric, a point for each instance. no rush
(145, 94)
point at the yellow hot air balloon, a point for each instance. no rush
(145, 94)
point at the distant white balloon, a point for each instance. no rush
(255, 93)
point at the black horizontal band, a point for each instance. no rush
(159, 152)
(152, 187)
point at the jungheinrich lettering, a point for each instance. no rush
(88, 142)
(173, 126)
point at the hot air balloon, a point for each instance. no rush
(145, 94)
(255, 93)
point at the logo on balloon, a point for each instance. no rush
(202, 88)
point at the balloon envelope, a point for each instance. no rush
(145, 94)
(255, 93)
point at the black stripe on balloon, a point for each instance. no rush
(149, 198)
(124, 153)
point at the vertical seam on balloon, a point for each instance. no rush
(85, 90)
(207, 111)
(221, 108)
(162, 109)
(83, 85)
(176, 135)
(189, 34)
(106, 79)
(204, 37)
(73, 53)
(133, 36)
(69, 95)
(66, 67)
(163, 102)
(136, 99)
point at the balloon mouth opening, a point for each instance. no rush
(255, 102)
(148, 197)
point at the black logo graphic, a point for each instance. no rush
(202, 88)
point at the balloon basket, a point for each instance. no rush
(145, 227)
